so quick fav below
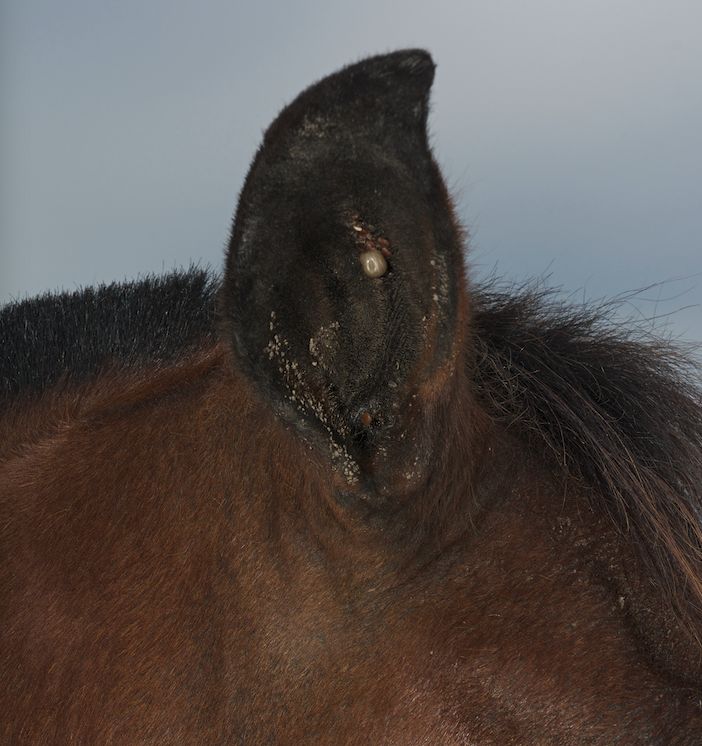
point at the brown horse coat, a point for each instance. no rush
(320, 502)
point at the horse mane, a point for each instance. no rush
(157, 320)
(620, 411)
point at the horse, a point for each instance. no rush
(344, 493)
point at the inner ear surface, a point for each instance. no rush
(345, 176)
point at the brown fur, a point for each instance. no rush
(151, 609)
(141, 606)
(182, 562)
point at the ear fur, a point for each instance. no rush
(345, 170)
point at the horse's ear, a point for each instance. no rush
(344, 269)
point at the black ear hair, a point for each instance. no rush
(342, 285)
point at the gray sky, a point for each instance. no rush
(570, 132)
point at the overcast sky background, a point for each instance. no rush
(570, 131)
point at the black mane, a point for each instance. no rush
(620, 414)
(155, 320)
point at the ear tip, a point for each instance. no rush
(396, 80)
(416, 61)
(416, 66)
(413, 61)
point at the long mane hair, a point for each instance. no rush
(619, 410)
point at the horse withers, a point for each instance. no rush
(345, 495)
